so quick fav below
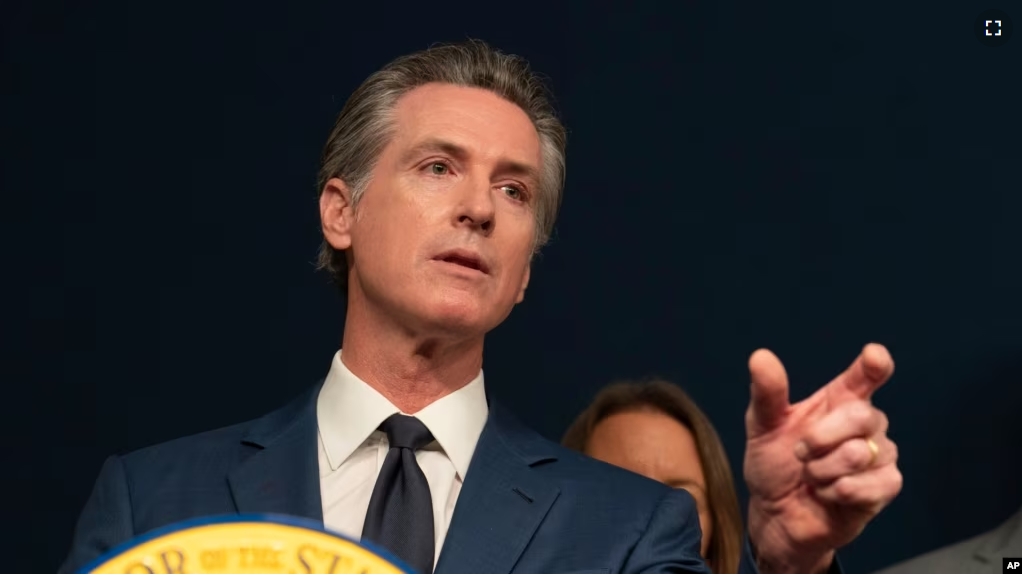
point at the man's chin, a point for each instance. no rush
(460, 318)
(459, 325)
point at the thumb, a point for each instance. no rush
(769, 402)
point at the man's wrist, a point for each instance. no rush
(774, 552)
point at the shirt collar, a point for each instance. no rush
(349, 410)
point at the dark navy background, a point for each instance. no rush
(803, 176)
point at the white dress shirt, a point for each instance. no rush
(352, 450)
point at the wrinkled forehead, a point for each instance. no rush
(476, 121)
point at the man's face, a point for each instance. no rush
(443, 237)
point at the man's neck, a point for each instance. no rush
(409, 369)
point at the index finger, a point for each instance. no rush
(868, 372)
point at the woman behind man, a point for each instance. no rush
(655, 429)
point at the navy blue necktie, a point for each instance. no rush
(400, 515)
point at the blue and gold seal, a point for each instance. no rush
(245, 544)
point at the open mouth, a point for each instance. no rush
(464, 259)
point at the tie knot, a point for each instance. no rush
(406, 431)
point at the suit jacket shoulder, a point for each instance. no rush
(212, 473)
(209, 455)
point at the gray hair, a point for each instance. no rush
(365, 125)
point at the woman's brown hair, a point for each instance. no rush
(725, 546)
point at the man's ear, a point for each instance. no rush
(525, 284)
(336, 214)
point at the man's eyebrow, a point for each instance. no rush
(436, 145)
(519, 169)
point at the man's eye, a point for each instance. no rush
(513, 192)
(438, 168)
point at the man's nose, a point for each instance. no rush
(476, 207)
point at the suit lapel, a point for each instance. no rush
(281, 476)
(502, 502)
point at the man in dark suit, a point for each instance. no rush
(980, 554)
(440, 180)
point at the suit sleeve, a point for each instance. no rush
(672, 539)
(106, 519)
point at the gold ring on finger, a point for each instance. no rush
(874, 451)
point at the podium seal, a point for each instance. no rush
(245, 544)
